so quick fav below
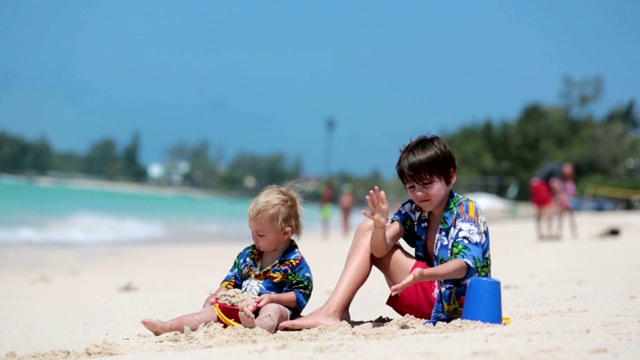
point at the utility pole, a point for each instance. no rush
(330, 125)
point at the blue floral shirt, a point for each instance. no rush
(289, 273)
(463, 234)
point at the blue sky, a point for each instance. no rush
(263, 76)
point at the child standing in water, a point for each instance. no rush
(272, 268)
(448, 232)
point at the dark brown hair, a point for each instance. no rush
(425, 159)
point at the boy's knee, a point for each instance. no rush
(365, 227)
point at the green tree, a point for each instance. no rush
(131, 168)
(18, 156)
(603, 150)
(102, 160)
(13, 151)
(39, 156)
(204, 169)
(67, 162)
(202, 172)
(578, 95)
(262, 169)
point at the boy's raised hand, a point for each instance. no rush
(377, 202)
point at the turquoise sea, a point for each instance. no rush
(58, 213)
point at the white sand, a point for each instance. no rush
(567, 299)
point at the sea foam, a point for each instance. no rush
(85, 228)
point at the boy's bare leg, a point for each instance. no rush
(356, 271)
(268, 318)
(192, 321)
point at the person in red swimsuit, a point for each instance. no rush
(548, 194)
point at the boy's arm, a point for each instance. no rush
(454, 269)
(287, 299)
(383, 237)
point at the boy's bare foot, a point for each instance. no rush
(315, 319)
(247, 318)
(157, 327)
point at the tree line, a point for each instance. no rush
(103, 160)
(605, 151)
(245, 174)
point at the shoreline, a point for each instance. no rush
(515, 210)
(110, 185)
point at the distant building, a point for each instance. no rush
(169, 173)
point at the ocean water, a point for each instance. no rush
(56, 213)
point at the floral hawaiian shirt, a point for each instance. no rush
(289, 273)
(463, 234)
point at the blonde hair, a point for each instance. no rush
(281, 204)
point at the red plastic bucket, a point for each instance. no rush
(229, 314)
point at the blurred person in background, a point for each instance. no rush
(549, 195)
(346, 206)
(566, 206)
(326, 208)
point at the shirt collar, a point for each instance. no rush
(449, 214)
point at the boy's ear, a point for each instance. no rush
(454, 176)
(287, 232)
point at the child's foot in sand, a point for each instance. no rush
(315, 319)
(157, 327)
(247, 318)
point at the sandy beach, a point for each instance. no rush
(567, 299)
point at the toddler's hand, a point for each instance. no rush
(210, 300)
(264, 299)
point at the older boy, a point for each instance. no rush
(448, 232)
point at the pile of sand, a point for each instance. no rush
(214, 335)
(237, 297)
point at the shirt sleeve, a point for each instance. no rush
(407, 218)
(300, 281)
(470, 244)
(233, 280)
